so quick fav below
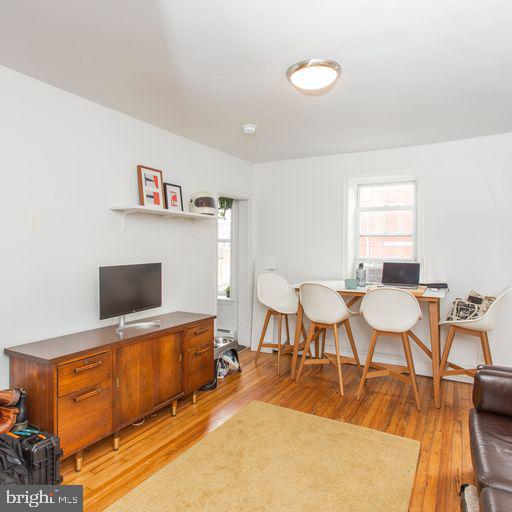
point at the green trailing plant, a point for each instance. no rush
(225, 203)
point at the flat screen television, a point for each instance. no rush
(127, 289)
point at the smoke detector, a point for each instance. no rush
(249, 129)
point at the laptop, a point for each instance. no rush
(402, 275)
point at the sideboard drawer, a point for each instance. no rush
(84, 417)
(199, 335)
(199, 366)
(83, 373)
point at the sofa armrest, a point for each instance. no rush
(492, 391)
(495, 368)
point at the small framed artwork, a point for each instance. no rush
(150, 187)
(173, 197)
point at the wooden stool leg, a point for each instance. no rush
(447, 348)
(369, 357)
(486, 348)
(324, 334)
(410, 364)
(338, 360)
(296, 340)
(306, 348)
(317, 343)
(303, 332)
(174, 407)
(287, 329)
(350, 336)
(115, 441)
(263, 332)
(279, 335)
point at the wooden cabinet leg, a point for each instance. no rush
(174, 407)
(79, 459)
(115, 441)
(194, 397)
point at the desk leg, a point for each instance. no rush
(433, 312)
(296, 341)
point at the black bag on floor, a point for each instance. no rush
(13, 468)
(42, 454)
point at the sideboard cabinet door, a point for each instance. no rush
(167, 367)
(133, 383)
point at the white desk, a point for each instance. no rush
(431, 297)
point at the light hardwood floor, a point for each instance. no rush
(388, 406)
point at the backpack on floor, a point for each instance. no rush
(13, 468)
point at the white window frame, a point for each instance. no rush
(353, 211)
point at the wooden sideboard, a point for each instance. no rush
(89, 385)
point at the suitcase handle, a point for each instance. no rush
(200, 331)
(90, 394)
(88, 367)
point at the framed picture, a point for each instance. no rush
(150, 187)
(173, 197)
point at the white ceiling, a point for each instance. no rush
(413, 72)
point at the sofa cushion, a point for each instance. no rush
(495, 500)
(491, 449)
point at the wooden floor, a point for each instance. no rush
(388, 406)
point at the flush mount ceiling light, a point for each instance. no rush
(249, 129)
(314, 76)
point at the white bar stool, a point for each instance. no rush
(326, 309)
(390, 312)
(280, 299)
(478, 327)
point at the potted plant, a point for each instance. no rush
(225, 203)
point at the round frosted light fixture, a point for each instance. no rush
(314, 76)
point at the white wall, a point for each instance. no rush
(467, 215)
(64, 161)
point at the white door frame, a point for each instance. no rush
(245, 270)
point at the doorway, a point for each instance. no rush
(233, 273)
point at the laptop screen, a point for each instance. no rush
(401, 274)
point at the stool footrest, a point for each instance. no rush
(470, 372)
(313, 361)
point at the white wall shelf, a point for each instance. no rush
(162, 213)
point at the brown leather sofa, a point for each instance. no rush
(490, 426)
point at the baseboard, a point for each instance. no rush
(423, 367)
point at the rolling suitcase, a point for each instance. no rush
(42, 454)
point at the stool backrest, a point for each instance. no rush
(390, 309)
(274, 290)
(323, 304)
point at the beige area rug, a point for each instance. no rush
(268, 458)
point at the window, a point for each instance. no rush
(384, 213)
(385, 221)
